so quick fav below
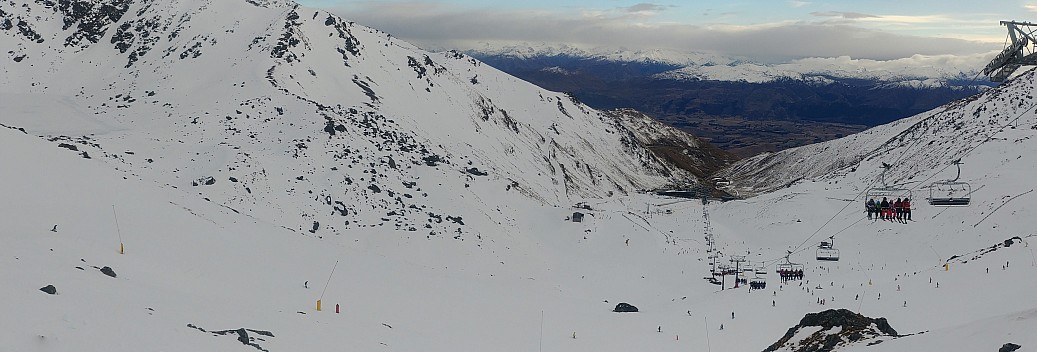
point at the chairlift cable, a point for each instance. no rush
(985, 140)
(968, 151)
(847, 205)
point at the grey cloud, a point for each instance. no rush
(438, 30)
(842, 14)
(644, 6)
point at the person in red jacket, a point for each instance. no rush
(898, 209)
(907, 209)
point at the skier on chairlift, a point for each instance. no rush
(898, 209)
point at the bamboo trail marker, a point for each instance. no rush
(122, 249)
(705, 321)
(542, 331)
(326, 285)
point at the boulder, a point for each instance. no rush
(49, 289)
(108, 271)
(1009, 347)
(625, 308)
(243, 336)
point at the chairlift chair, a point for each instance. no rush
(949, 193)
(826, 251)
(890, 192)
(758, 280)
(788, 265)
(748, 269)
(761, 270)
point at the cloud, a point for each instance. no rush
(1031, 7)
(797, 3)
(846, 15)
(437, 27)
(644, 7)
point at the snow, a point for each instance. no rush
(518, 275)
(919, 71)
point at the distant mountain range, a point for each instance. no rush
(744, 106)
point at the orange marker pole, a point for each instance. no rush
(117, 230)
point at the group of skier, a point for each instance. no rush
(757, 285)
(787, 275)
(899, 209)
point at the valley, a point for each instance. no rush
(262, 175)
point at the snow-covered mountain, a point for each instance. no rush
(914, 145)
(731, 102)
(247, 103)
(919, 71)
(100, 162)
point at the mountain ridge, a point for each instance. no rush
(734, 102)
(161, 79)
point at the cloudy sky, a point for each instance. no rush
(769, 30)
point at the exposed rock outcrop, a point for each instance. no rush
(827, 330)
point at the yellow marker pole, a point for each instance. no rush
(946, 267)
(318, 305)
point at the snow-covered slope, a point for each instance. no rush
(915, 146)
(249, 103)
(203, 261)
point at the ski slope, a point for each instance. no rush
(518, 274)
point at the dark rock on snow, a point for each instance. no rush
(108, 271)
(243, 336)
(49, 289)
(1009, 347)
(845, 318)
(853, 328)
(625, 308)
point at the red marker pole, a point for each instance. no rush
(336, 308)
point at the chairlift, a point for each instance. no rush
(889, 192)
(826, 251)
(748, 269)
(788, 267)
(724, 269)
(761, 269)
(949, 193)
(758, 282)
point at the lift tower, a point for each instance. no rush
(1021, 51)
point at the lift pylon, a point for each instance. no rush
(1022, 50)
